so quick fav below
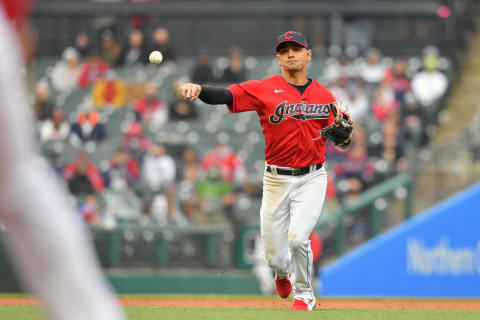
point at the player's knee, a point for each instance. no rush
(296, 243)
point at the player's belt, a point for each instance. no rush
(295, 171)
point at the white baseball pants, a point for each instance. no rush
(291, 206)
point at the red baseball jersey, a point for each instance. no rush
(290, 121)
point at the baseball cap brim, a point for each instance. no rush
(280, 45)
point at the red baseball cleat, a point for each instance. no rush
(303, 304)
(284, 287)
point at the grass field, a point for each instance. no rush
(150, 313)
(278, 312)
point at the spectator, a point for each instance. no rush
(66, 72)
(150, 108)
(82, 44)
(215, 197)
(122, 166)
(158, 168)
(138, 21)
(339, 90)
(357, 168)
(110, 50)
(181, 109)
(135, 142)
(359, 104)
(334, 153)
(89, 209)
(121, 202)
(159, 208)
(161, 43)
(55, 128)
(429, 85)
(390, 152)
(158, 171)
(187, 168)
(414, 121)
(135, 53)
(136, 89)
(203, 72)
(336, 69)
(354, 164)
(253, 184)
(109, 90)
(92, 70)
(358, 165)
(384, 103)
(187, 173)
(235, 72)
(400, 80)
(87, 128)
(82, 176)
(372, 71)
(43, 106)
(227, 162)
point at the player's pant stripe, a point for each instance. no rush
(309, 284)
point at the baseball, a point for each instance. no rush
(155, 57)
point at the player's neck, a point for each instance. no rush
(297, 78)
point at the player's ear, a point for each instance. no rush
(309, 55)
(278, 59)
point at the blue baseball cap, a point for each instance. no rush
(291, 36)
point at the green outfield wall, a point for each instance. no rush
(192, 281)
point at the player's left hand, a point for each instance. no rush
(190, 91)
(340, 131)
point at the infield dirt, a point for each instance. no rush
(275, 303)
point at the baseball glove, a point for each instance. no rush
(339, 132)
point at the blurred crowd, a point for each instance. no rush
(144, 178)
(395, 105)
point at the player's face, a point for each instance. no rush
(293, 57)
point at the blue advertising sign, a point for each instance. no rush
(435, 254)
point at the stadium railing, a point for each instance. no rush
(167, 246)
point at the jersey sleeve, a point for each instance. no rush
(245, 96)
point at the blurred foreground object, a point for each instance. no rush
(48, 246)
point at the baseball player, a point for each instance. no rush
(48, 245)
(297, 115)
